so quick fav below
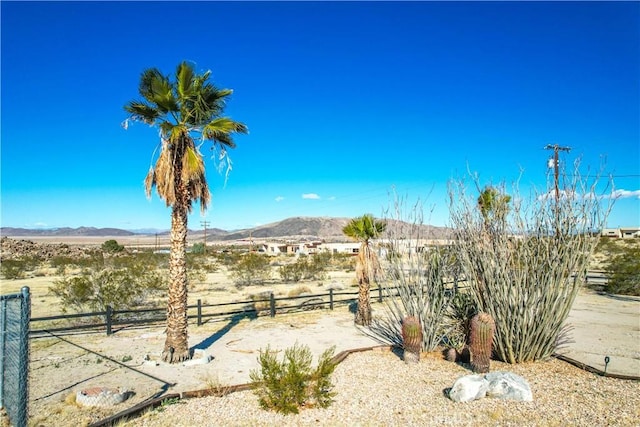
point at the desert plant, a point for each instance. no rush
(624, 272)
(251, 269)
(112, 246)
(286, 386)
(11, 269)
(189, 106)
(526, 271)
(299, 290)
(415, 278)
(411, 339)
(364, 229)
(481, 330)
(98, 287)
(293, 272)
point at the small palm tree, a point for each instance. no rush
(493, 205)
(184, 109)
(364, 229)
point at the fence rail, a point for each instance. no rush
(200, 313)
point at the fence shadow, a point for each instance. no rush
(233, 321)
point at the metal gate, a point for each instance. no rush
(15, 312)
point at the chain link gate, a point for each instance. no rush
(15, 313)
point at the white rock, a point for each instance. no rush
(200, 361)
(468, 388)
(508, 386)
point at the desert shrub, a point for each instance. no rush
(525, 266)
(299, 290)
(415, 279)
(285, 386)
(461, 309)
(251, 269)
(11, 269)
(306, 267)
(624, 272)
(292, 272)
(112, 246)
(96, 288)
(198, 248)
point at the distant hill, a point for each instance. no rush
(296, 227)
(65, 231)
(325, 228)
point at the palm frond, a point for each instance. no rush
(184, 80)
(143, 112)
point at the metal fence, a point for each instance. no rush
(15, 313)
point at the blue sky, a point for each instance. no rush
(344, 102)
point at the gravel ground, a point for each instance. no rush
(376, 388)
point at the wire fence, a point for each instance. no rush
(15, 311)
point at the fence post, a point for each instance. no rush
(108, 318)
(379, 293)
(272, 304)
(331, 299)
(23, 387)
(199, 312)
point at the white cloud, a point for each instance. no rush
(625, 194)
(332, 198)
(279, 199)
(313, 196)
(40, 224)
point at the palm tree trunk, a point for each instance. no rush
(176, 346)
(363, 314)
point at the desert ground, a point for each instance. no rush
(61, 365)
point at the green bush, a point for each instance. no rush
(112, 246)
(97, 287)
(624, 273)
(250, 269)
(288, 385)
(11, 269)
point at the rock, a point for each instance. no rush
(101, 396)
(200, 361)
(501, 385)
(508, 386)
(468, 388)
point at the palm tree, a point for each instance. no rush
(364, 229)
(185, 109)
(493, 205)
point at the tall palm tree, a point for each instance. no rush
(364, 229)
(185, 109)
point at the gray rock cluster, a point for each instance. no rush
(500, 385)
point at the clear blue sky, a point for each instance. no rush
(343, 100)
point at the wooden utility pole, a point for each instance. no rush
(556, 164)
(205, 224)
(556, 172)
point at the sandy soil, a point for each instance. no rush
(61, 366)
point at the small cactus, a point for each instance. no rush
(411, 339)
(451, 355)
(481, 331)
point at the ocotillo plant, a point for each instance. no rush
(480, 341)
(411, 339)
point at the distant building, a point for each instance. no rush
(621, 233)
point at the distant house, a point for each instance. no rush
(621, 233)
(630, 232)
(340, 248)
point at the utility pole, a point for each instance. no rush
(205, 224)
(556, 171)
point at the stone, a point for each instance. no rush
(508, 386)
(468, 388)
(101, 396)
(200, 361)
(499, 385)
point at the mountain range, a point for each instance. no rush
(327, 228)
